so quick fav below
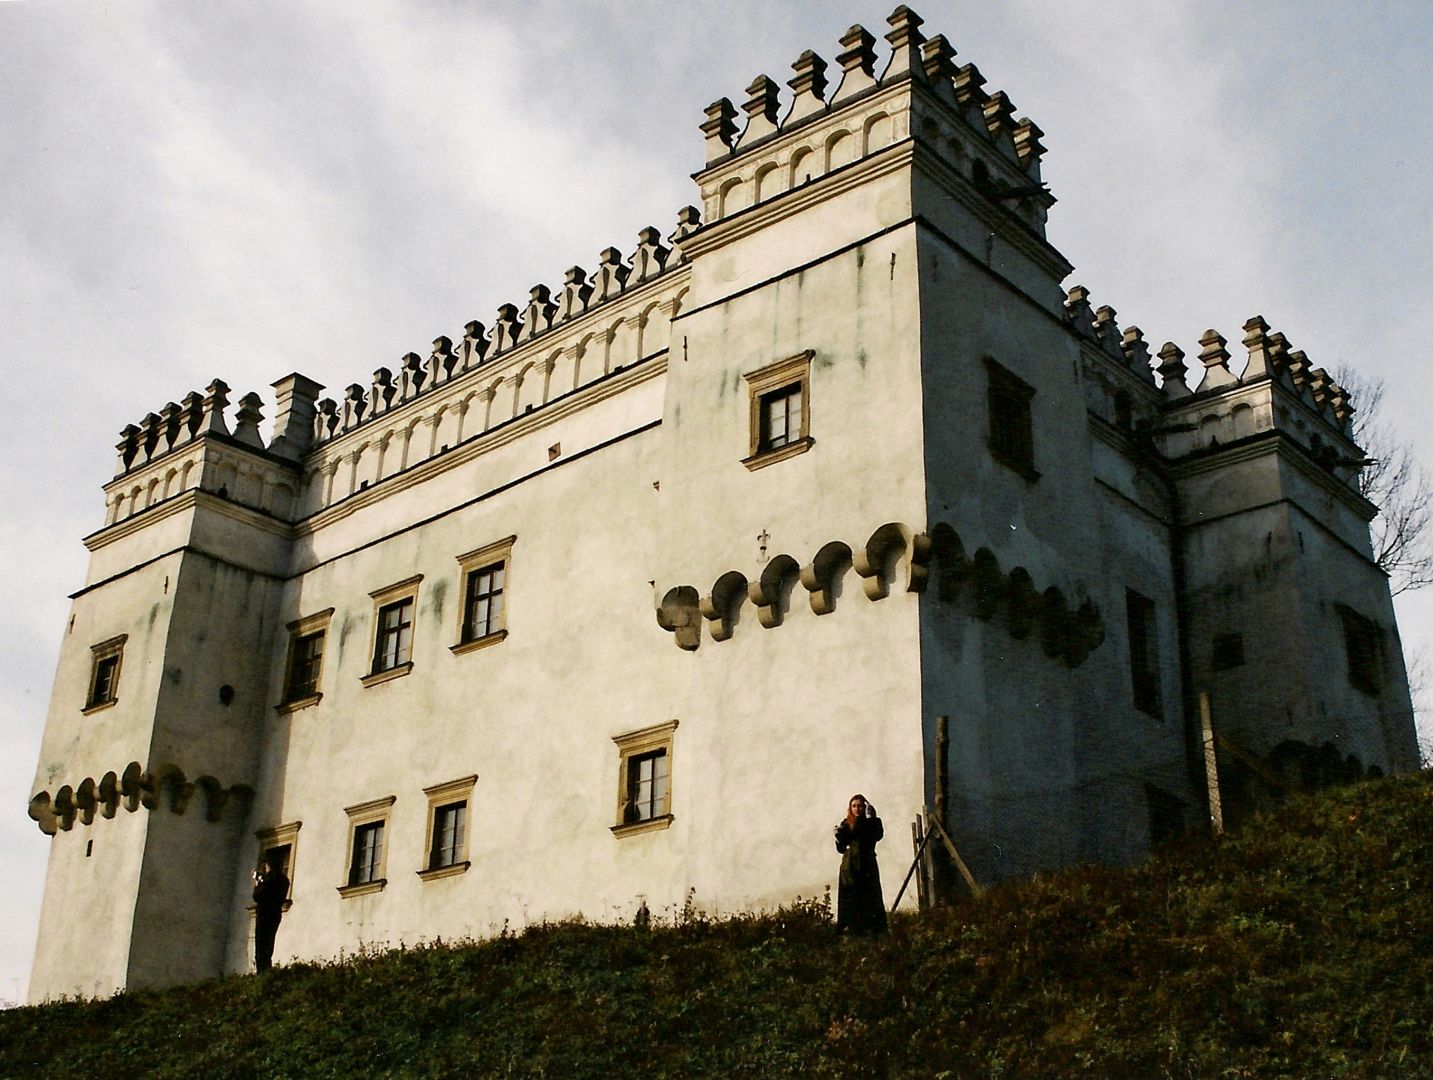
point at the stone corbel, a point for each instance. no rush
(822, 577)
(769, 592)
(721, 608)
(679, 614)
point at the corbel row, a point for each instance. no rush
(131, 789)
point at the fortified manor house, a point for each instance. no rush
(619, 596)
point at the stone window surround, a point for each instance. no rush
(634, 744)
(407, 589)
(100, 652)
(794, 371)
(500, 551)
(279, 836)
(299, 629)
(440, 795)
(367, 813)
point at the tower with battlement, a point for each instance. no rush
(616, 597)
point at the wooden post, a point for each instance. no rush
(942, 765)
(918, 845)
(1211, 766)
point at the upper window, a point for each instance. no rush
(644, 784)
(305, 664)
(1228, 651)
(1363, 648)
(394, 611)
(104, 673)
(1143, 652)
(780, 414)
(367, 830)
(1012, 440)
(448, 828)
(483, 619)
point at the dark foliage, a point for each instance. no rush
(1297, 947)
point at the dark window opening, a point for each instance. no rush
(367, 853)
(305, 664)
(106, 681)
(449, 825)
(1012, 437)
(780, 418)
(1363, 648)
(1228, 651)
(1143, 654)
(646, 787)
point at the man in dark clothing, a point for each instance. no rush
(271, 891)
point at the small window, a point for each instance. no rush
(367, 830)
(394, 611)
(1228, 651)
(104, 673)
(1363, 648)
(1012, 440)
(644, 786)
(780, 411)
(485, 585)
(447, 843)
(305, 663)
(1143, 652)
(279, 847)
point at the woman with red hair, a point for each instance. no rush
(860, 907)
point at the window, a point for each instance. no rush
(1143, 652)
(1012, 441)
(780, 411)
(1228, 651)
(1363, 648)
(644, 785)
(394, 609)
(305, 664)
(483, 619)
(447, 842)
(367, 829)
(104, 673)
(279, 847)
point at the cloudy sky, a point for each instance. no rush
(244, 189)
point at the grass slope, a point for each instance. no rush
(1298, 947)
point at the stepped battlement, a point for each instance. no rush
(921, 93)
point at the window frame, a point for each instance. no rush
(102, 653)
(300, 630)
(440, 797)
(475, 562)
(402, 592)
(772, 382)
(364, 815)
(632, 747)
(1142, 623)
(286, 835)
(1010, 418)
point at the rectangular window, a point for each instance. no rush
(1143, 652)
(780, 418)
(447, 842)
(279, 846)
(483, 619)
(104, 673)
(1228, 651)
(367, 853)
(644, 785)
(367, 847)
(1363, 649)
(780, 402)
(449, 832)
(1012, 437)
(395, 635)
(394, 610)
(305, 662)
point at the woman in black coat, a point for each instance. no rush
(860, 907)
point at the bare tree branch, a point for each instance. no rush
(1396, 484)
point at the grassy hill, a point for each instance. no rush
(1298, 947)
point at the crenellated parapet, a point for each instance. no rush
(194, 445)
(1274, 388)
(833, 120)
(164, 787)
(894, 557)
